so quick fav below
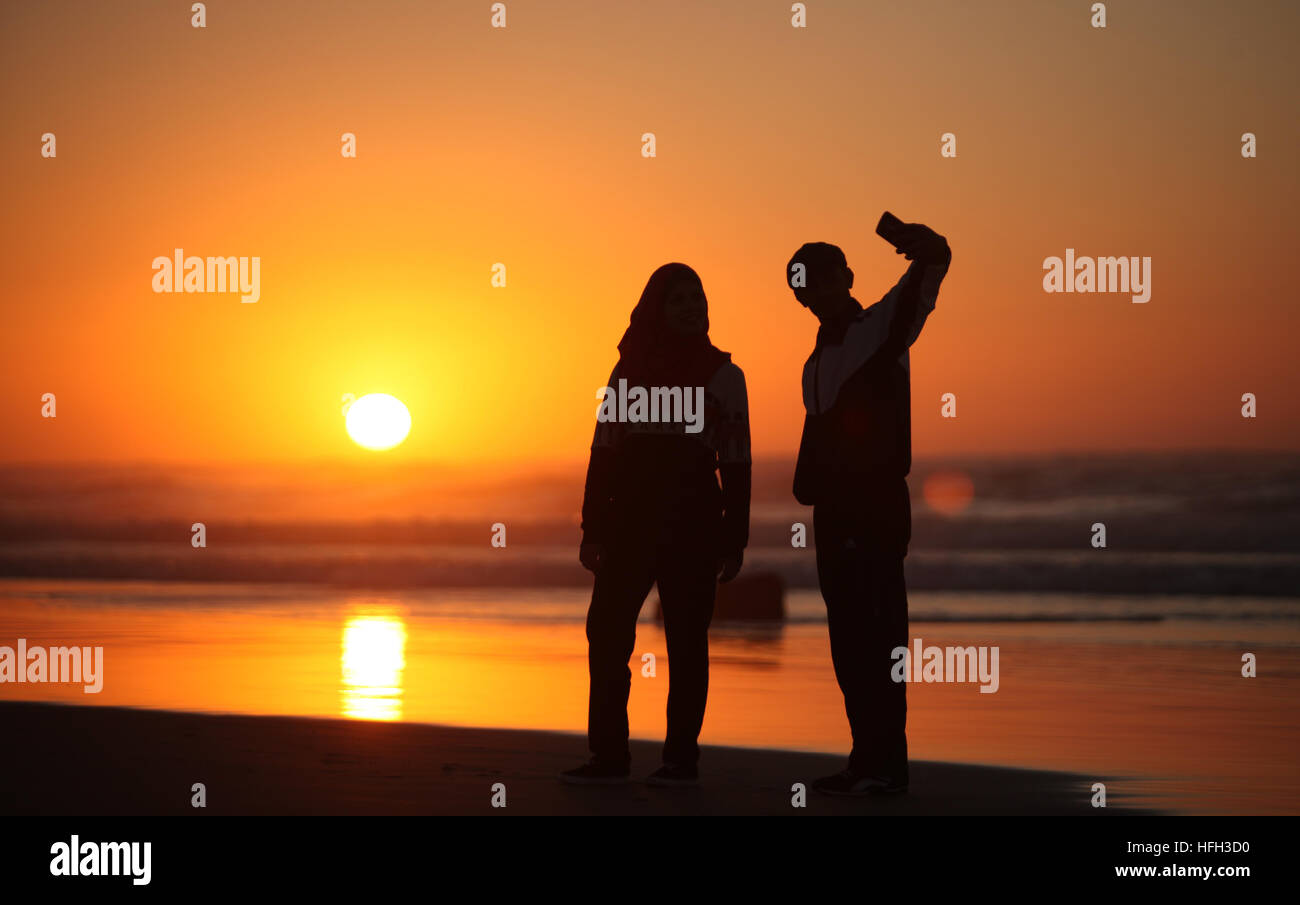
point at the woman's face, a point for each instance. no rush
(686, 310)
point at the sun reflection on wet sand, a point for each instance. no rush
(373, 661)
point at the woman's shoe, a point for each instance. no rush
(597, 772)
(674, 775)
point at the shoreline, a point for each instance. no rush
(414, 567)
(122, 761)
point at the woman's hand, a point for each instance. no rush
(729, 566)
(591, 556)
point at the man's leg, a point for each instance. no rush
(687, 587)
(885, 708)
(620, 589)
(866, 613)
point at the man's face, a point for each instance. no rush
(827, 291)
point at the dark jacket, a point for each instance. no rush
(657, 485)
(856, 448)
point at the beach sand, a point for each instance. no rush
(1158, 705)
(91, 761)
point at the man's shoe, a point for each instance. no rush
(848, 784)
(674, 775)
(596, 772)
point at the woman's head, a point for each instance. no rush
(686, 310)
(673, 303)
(668, 339)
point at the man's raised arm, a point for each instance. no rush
(910, 302)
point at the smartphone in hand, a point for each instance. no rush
(889, 228)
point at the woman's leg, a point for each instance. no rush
(687, 585)
(620, 589)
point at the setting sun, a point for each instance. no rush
(378, 421)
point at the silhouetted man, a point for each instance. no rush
(854, 458)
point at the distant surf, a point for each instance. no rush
(1224, 524)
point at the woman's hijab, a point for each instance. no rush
(654, 354)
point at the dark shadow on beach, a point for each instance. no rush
(66, 760)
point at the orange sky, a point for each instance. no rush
(478, 145)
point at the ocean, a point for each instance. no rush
(1225, 524)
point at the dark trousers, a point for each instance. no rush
(687, 579)
(861, 578)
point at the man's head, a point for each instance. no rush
(820, 277)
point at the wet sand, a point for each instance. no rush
(1162, 702)
(113, 761)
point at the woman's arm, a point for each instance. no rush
(736, 478)
(735, 472)
(598, 492)
(598, 495)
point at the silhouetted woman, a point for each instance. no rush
(655, 512)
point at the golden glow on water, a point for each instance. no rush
(373, 662)
(1148, 699)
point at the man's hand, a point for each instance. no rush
(729, 566)
(591, 556)
(919, 242)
